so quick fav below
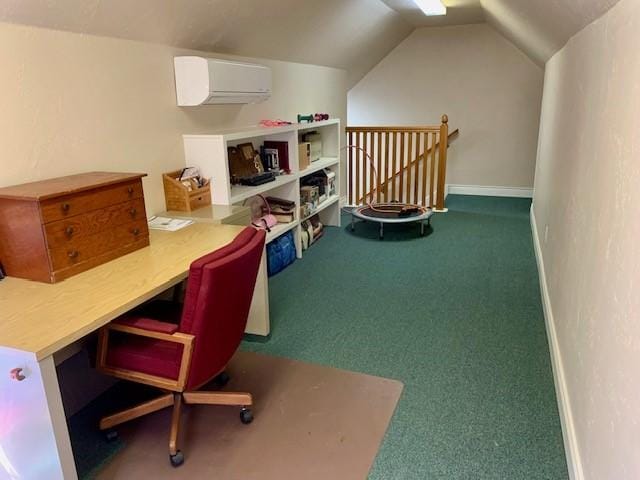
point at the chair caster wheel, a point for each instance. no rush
(246, 416)
(222, 379)
(111, 435)
(177, 459)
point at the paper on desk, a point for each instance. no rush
(168, 224)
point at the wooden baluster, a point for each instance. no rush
(409, 157)
(387, 168)
(442, 161)
(383, 166)
(425, 158)
(357, 156)
(416, 182)
(350, 175)
(394, 152)
(371, 150)
(366, 165)
(400, 196)
(375, 179)
(432, 176)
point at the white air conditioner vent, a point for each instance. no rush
(205, 81)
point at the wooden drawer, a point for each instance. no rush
(59, 275)
(75, 204)
(55, 228)
(62, 232)
(82, 249)
(199, 199)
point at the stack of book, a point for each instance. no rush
(283, 210)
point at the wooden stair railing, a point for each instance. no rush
(410, 164)
(385, 184)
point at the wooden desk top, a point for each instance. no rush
(44, 318)
(215, 214)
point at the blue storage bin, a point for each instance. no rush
(281, 253)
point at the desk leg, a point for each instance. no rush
(258, 321)
(34, 439)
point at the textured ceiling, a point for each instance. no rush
(350, 34)
(541, 27)
(538, 27)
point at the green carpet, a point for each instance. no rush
(456, 317)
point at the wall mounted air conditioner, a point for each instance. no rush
(206, 81)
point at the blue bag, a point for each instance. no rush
(281, 253)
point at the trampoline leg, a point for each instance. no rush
(422, 229)
(353, 224)
(381, 231)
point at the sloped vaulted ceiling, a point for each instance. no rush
(541, 27)
(350, 34)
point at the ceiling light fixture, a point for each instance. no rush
(431, 8)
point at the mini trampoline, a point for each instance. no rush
(392, 213)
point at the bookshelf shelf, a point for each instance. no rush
(327, 203)
(281, 228)
(239, 193)
(324, 162)
(209, 153)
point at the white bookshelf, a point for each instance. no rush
(322, 206)
(209, 153)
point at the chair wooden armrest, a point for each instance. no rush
(161, 382)
(147, 323)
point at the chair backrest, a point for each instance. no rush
(216, 305)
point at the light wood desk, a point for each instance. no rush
(37, 320)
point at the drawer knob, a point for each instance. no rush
(73, 254)
(133, 212)
(136, 231)
(68, 231)
(16, 374)
(130, 191)
(65, 207)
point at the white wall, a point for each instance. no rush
(72, 103)
(489, 89)
(587, 194)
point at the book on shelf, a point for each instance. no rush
(283, 203)
(282, 217)
(282, 209)
(282, 149)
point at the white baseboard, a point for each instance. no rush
(483, 190)
(571, 448)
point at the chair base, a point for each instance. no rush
(196, 397)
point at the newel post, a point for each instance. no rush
(442, 162)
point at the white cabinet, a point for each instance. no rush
(209, 153)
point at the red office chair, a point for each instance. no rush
(181, 357)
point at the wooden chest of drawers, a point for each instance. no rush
(53, 229)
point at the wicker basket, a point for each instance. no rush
(178, 197)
